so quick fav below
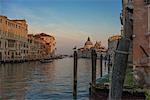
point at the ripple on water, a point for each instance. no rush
(51, 81)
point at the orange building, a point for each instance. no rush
(41, 46)
(13, 39)
(50, 43)
(16, 44)
(112, 45)
(37, 48)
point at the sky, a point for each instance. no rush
(69, 21)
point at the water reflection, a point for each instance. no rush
(52, 81)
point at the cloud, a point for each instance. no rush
(67, 33)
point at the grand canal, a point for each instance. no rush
(51, 81)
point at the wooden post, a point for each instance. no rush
(119, 69)
(121, 59)
(105, 58)
(108, 64)
(75, 75)
(101, 65)
(94, 58)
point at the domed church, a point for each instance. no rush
(88, 44)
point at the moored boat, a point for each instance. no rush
(46, 60)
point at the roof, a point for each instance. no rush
(115, 37)
(43, 34)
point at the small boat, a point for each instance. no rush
(46, 60)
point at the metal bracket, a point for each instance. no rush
(122, 52)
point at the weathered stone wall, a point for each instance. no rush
(142, 76)
(141, 38)
(140, 30)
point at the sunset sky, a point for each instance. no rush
(70, 21)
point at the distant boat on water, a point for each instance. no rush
(46, 60)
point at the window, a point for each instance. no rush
(147, 1)
(0, 20)
(11, 43)
(5, 44)
(0, 44)
(149, 19)
(8, 23)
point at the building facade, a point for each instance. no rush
(13, 39)
(41, 46)
(17, 45)
(85, 52)
(50, 43)
(112, 46)
(37, 48)
(136, 21)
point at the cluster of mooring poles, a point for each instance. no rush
(94, 62)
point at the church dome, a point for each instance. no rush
(88, 42)
(97, 45)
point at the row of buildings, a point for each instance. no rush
(85, 51)
(17, 45)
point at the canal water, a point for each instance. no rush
(46, 81)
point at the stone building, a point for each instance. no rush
(13, 39)
(85, 52)
(41, 46)
(50, 43)
(136, 19)
(17, 45)
(37, 48)
(112, 46)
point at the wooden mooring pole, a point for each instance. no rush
(108, 64)
(121, 59)
(105, 58)
(75, 75)
(119, 69)
(101, 65)
(94, 58)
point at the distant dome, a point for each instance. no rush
(97, 45)
(88, 42)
